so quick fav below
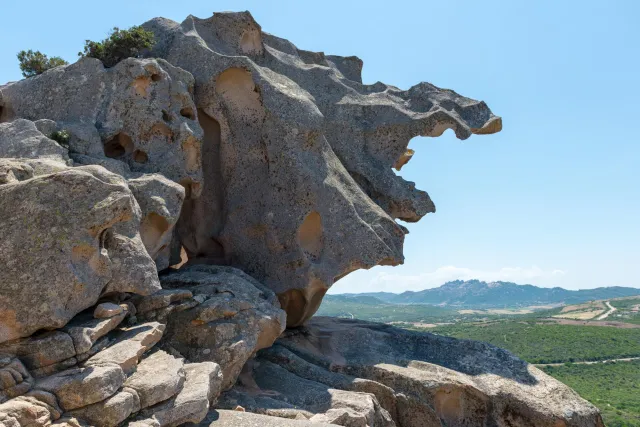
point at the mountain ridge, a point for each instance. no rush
(498, 294)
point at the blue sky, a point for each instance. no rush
(552, 200)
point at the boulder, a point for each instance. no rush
(419, 379)
(202, 386)
(80, 387)
(139, 113)
(129, 346)
(22, 139)
(15, 380)
(160, 201)
(42, 350)
(237, 316)
(68, 238)
(109, 412)
(297, 155)
(27, 411)
(225, 418)
(157, 378)
(106, 310)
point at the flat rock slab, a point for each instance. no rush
(109, 412)
(85, 334)
(107, 309)
(224, 418)
(80, 387)
(340, 370)
(157, 378)
(41, 350)
(131, 344)
(191, 405)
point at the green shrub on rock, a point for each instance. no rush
(61, 137)
(120, 44)
(34, 63)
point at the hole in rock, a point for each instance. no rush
(191, 150)
(165, 116)
(105, 238)
(140, 156)
(250, 42)
(141, 85)
(310, 236)
(156, 77)
(6, 114)
(152, 229)
(236, 87)
(188, 113)
(118, 146)
(183, 258)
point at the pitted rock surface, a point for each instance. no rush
(297, 156)
(139, 112)
(245, 176)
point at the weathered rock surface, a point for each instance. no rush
(236, 317)
(305, 193)
(419, 379)
(202, 385)
(68, 238)
(109, 412)
(15, 379)
(130, 344)
(160, 201)
(238, 149)
(31, 410)
(22, 139)
(140, 113)
(225, 418)
(157, 378)
(80, 387)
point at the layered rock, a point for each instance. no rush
(116, 379)
(356, 373)
(236, 148)
(236, 316)
(304, 194)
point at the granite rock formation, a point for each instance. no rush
(304, 194)
(356, 373)
(206, 198)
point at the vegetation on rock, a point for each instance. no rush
(120, 44)
(61, 137)
(34, 63)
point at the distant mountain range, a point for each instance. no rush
(478, 294)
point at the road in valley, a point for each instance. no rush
(592, 362)
(611, 310)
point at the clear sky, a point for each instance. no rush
(552, 200)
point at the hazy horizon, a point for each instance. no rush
(334, 290)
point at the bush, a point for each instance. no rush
(61, 137)
(34, 63)
(119, 45)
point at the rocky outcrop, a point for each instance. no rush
(204, 200)
(68, 238)
(139, 112)
(118, 378)
(355, 373)
(236, 317)
(304, 194)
